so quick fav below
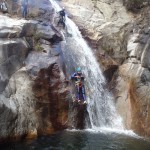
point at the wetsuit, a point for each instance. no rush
(61, 21)
(62, 14)
(79, 79)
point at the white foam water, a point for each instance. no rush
(77, 53)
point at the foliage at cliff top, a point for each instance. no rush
(131, 5)
(135, 5)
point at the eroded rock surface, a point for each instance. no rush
(121, 41)
(133, 83)
(100, 22)
(33, 87)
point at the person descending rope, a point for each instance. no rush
(62, 19)
(62, 13)
(79, 79)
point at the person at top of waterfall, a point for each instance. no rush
(79, 80)
(62, 14)
(24, 8)
(3, 7)
(62, 19)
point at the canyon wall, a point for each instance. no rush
(120, 39)
(33, 86)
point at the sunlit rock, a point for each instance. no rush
(31, 102)
(121, 39)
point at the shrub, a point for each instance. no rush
(36, 43)
(135, 5)
(38, 47)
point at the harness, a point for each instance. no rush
(78, 83)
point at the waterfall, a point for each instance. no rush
(77, 53)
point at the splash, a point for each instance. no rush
(77, 53)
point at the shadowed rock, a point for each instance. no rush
(51, 92)
(80, 114)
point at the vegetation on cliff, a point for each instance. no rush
(131, 5)
(135, 5)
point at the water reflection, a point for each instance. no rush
(74, 141)
(81, 140)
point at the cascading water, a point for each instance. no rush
(77, 53)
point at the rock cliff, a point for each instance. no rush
(132, 81)
(120, 40)
(33, 86)
(34, 91)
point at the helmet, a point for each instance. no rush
(78, 69)
(63, 8)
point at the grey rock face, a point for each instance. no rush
(124, 37)
(45, 32)
(18, 116)
(13, 53)
(133, 79)
(16, 99)
(25, 50)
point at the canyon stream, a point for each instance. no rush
(104, 129)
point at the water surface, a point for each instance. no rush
(81, 140)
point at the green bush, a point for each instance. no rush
(38, 47)
(135, 5)
(36, 43)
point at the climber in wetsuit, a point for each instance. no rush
(79, 79)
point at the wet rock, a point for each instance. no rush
(80, 113)
(56, 50)
(52, 104)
